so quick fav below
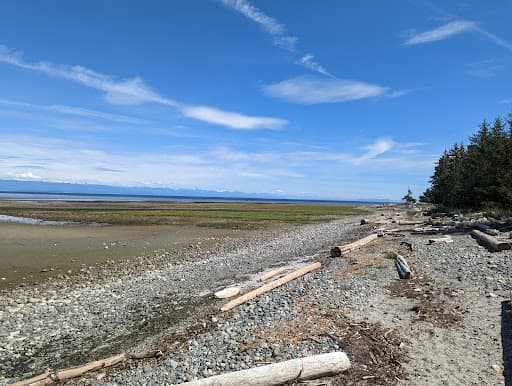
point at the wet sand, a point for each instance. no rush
(31, 253)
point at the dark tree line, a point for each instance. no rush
(478, 175)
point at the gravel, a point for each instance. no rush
(351, 294)
(73, 320)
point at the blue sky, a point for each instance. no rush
(330, 99)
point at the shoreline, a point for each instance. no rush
(112, 304)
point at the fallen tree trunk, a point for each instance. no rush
(270, 286)
(302, 369)
(402, 267)
(52, 377)
(490, 241)
(342, 249)
(487, 229)
(272, 274)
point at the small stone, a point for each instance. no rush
(491, 295)
(497, 368)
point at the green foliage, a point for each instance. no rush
(409, 198)
(477, 175)
(390, 255)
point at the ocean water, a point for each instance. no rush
(141, 198)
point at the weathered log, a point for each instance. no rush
(490, 241)
(412, 222)
(270, 286)
(487, 229)
(51, 377)
(446, 239)
(227, 292)
(425, 231)
(402, 267)
(301, 369)
(342, 249)
(272, 274)
(74, 372)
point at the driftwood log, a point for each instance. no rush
(412, 222)
(302, 369)
(342, 249)
(446, 239)
(51, 377)
(272, 274)
(402, 267)
(270, 286)
(490, 241)
(487, 229)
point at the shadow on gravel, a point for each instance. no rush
(506, 340)
(69, 351)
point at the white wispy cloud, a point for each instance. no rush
(269, 24)
(278, 32)
(232, 119)
(453, 28)
(375, 149)
(134, 91)
(72, 110)
(312, 90)
(124, 91)
(445, 31)
(217, 168)
(308, 61)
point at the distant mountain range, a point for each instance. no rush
(43, 187)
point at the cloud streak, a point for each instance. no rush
(445, 31)
(268, 23)
(278, 32)
(453, 28)
(133, 91)
(72, 110)
(311, 90)
(231, 119)
(308, 61)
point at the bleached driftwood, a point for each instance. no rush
(412, 222)
(371, 220)
(446, 239)
(402, 267)
(487, 229)
(227, 292)
(342, 249)
(301, 369)
(490, 241)
(426, 231)
(272, 274)
(270, 286)
(50, 377)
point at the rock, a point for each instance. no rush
(227, 292)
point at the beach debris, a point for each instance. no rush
(50, 377)
(340, 250)
(227, 292)
(406, 245)
(491, 242)
(445, 239)
(296, 370)
(270, 286)
(402, 267)
(486, 229)
(272, 274)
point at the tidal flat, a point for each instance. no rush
(100, 232)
